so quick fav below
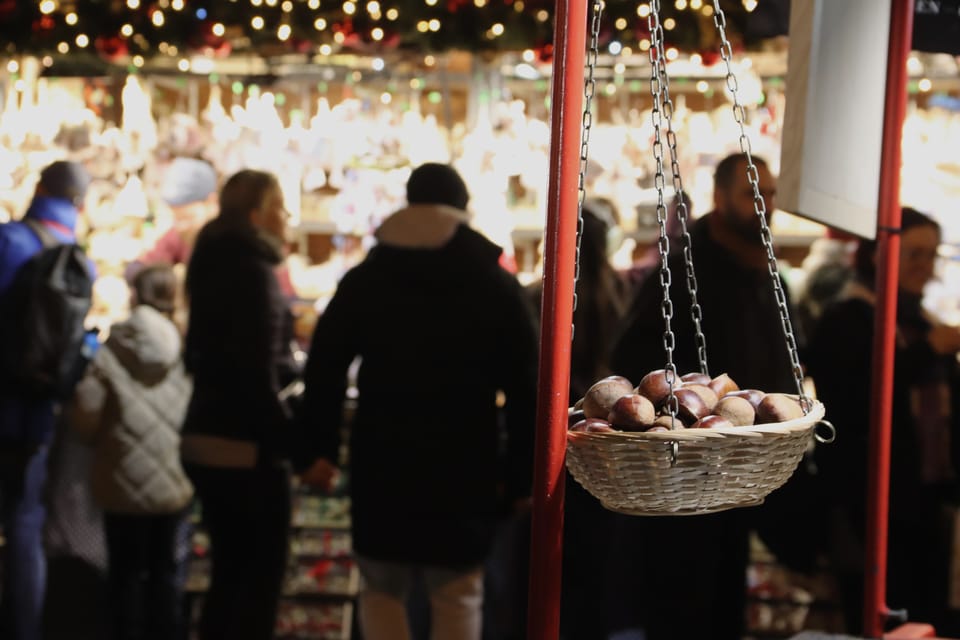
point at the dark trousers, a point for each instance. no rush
(586, 590)
(143, 575)
(247, 515)
(683, 578)
(23, 475)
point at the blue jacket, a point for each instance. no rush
(18, 243)
(20, 421)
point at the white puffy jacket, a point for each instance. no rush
(130, 405)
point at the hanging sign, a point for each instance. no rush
(833, 122)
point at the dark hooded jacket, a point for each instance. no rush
(238, 339)
(440, 329)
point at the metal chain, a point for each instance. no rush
(696, 313)
(656, 90)
(759, 206)
(589, 90)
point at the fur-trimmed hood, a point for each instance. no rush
(421, 226)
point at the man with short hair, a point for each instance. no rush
(690, 572)
(442, 331)
(27, 424)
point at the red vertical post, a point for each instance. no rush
(885, 324)
(556, 317)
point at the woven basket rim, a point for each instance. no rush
(816, 413)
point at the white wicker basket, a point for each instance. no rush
(689, 471)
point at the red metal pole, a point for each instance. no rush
(876, 611)
(556, 318)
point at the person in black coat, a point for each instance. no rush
(685, 577)
(442, 332)
(236, 431)
(925, 422)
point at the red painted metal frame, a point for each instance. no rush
(556, 318)
(888, 265)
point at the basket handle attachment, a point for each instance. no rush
(827, 436)
(674, 453)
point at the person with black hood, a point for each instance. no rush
(442, 331)
(236, 431)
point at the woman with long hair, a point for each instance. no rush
(923, 466)
(236, 430)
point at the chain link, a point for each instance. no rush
(759, 206)
(589, 90)
(696, 313)
(656, 91)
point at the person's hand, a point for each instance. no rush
(322, 474)
(944, 339)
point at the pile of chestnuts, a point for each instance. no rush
(702, 402)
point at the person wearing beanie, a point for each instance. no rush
(442, 330)
(26, 425)
(189, 189)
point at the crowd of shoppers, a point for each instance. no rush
(440, 445)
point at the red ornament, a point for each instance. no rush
(710, 57)
(43, 23)
(545, 53)
(112, 48)
(209, 44)
(302, 45)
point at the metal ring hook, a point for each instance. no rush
(832, 430)
(674, 453)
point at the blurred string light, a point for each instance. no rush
(430, 21)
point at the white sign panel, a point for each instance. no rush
(833, 123)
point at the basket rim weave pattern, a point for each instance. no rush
(689, 471)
